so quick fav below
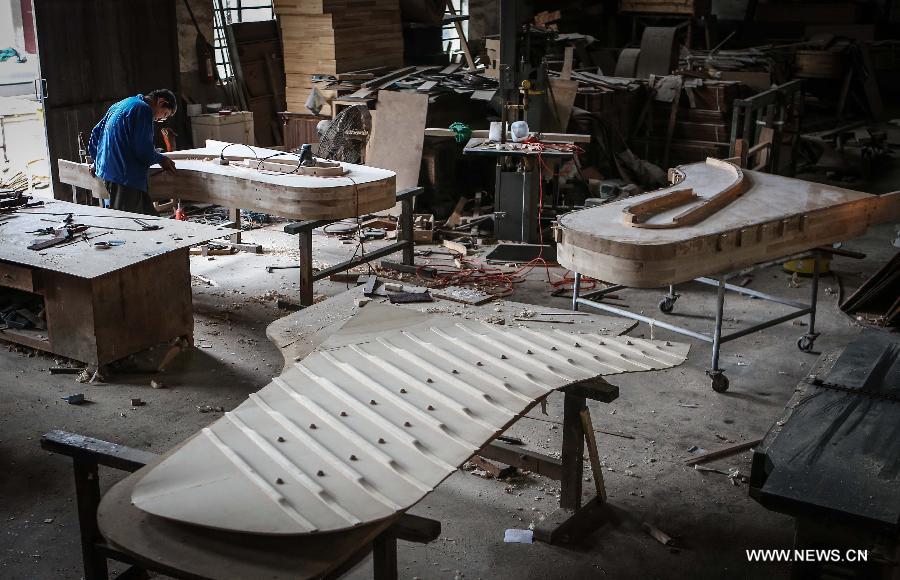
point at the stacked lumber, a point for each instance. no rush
(700, 127)
(617, 101)
(693, 7)
(335, 36)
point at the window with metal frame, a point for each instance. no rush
(232, 11)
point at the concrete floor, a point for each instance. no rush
(665, 413)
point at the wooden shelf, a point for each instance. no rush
(31, 338)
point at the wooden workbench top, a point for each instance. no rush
(80, 258)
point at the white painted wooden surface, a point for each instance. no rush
(375, 419)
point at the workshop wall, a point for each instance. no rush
(189, 66)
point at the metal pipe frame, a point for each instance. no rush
(716, 338)
(304, 231)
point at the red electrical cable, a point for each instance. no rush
(495, 281)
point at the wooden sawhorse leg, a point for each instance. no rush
(234, 214)
(410, 528)
(88, 454)
(572, 520)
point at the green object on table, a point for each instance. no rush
(463, 132)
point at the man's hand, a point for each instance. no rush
(168, 165)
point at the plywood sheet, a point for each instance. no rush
(361, 190)
(774, 217)
(374, 419)
(80, 258)
(398, 132)
(564, 92)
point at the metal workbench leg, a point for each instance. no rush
(576, 287)
(807, 340)
(718, 378)
(306, 266)
(406, 230)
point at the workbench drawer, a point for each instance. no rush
(18, 277)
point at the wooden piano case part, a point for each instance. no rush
(374, 419)
(360, 190)
(774, 217)
(639, 214)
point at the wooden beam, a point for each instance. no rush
(724, 452)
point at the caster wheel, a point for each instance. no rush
(805, 343)
(667, 305)
(719, 383)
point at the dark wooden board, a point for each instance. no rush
(836, 452)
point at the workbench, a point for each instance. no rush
(832, 458)
(101, 305)
(298, 334)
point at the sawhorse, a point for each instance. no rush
(304, 230)
(573, 520)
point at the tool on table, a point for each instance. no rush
(145, 227)
(63, 232)
(107, 244)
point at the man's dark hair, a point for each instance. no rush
(168, 97)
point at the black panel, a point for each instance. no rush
(838, 451)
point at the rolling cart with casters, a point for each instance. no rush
(716, 374)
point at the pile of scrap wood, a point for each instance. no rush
(335, 36)
(757, 67)
(617, 101)
(849, 152)
(362, 86)
(18, 183)
(878, 300)
(688, 119)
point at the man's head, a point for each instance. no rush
(163, 103)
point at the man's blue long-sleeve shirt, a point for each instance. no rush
(121, 144)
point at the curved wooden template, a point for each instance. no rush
(637, 215)
(374, 419)
(286, 165)
(362, 190)
(775, 217)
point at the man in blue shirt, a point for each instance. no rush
(122, 148)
